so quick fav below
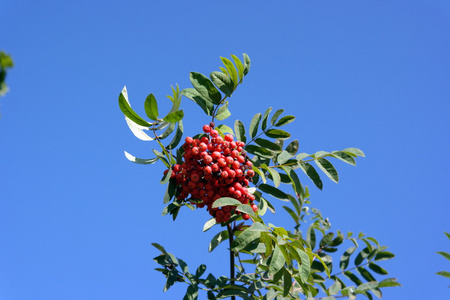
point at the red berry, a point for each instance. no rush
(228, 138)
(214, 133)
(254, 207)
(250, 173)
(189, 140)
(245, 217)
(206, 128)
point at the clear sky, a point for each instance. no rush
(77, 219)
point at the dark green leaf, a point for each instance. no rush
(268, 144)
(262, 152)
(337, 241)
(265, 117)
(254, 124)
(444, 273)
(292, 214)
(223, 112)
(275, 116)
(353, 277)
(244, 239)
(191, 293)
(312, 174)
(311, 236)
(444, 254)
(295, 202)
(174, 117)
(205, 87)
(273, 191)
(294, 180)
(168, 131)
(287, 282)
(326, 239)
(285, 120)
(217, 239)
(195, 96)
(170, 191)
(377, 269)
(384, 255)
(151, 107)
(277, 261)
(239, 130)
(345, 259)
(128, 111)
(365, 274)
(278, 134)
(362, 256)
(159, 247)
(223, 82)
(200, 270)
(177, 138)
(231, 70)
(292, 148)
(327, 168)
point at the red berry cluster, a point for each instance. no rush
(214, 167)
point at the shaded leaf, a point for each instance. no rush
(377, 269)
(244, 239)
(274, 175)
(151, 107)
(268, 144)
(312, 174)
(277, 261)
(239, 66)
(223, 82)
(345, 259)
(177, 138)
(327, 168)
(384, 255)
(389, 282)
(256, 150)
(194, 95)
(205, 87)
(285, 120)
(273, 191)
(278, 134)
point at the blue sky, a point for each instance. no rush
(77, 219)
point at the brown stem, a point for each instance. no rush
(230, 239)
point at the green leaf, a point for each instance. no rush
(159, 247)
(311, 236)
(287, 282)
(209, 224)
(353, 277)
(254, 124)
(275, 116)
(191, 293)
(239, 130)
(444, 273)
(231, 70)
(305, 266)
(140, 160)
(344, 157)
(246, 64)
(205, 87)
(244, 239)
(264, 118)
(327, 168)
(246, 209)
(256, 150)
(285, 120)
(273, 191)
(174, 117)
(177, 138)
(292, 214)
(225, 201)
(166, 177)
(312, 174)
(168, 131)
(389, 282)
(260, 173)
(295, 202)
(239, 66)
(151, 107)
(126, 109)
(292, 148)
(294, 179)
(377, 269)
(362, 256)
(354, 151)
(274, 174)
(444, 254)
(277, 261)
(194, 95)
(217, 239)
(223, 112)
(384, 255)
(365, 274)
(170, 191)
(223, 82)
(268, 144)
(278, 134)
(161, 157)
(224, 129)
(345, 259)
(326, 239)
(335, 287)
(283, 157)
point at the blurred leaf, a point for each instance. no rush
(285, 120)
(151, 107)
(225, 201)
(295, 203)
(205, 87)
(223, 82)
(231, 70)
(278, 134)
(200, 270)
(191, 293)
(239, 130)
(223, 112)
(217, 239)
(283, 157)
(159, 247)
(254, 124)
(265, 117)
(273, 191)
(337, 241)
(275, 116)
(384, 255)
(327, 168)
(195, 96)
(140, 160)
(377, 269)
(268, 144)
(246, 64)
(312, 174)
(344, 157)
(126, 109)
(326, 239)
(239, 66)
(444, 273)
(256, 150)
(354, 151)
(444, 254)
(345, 259)
(335, 288)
